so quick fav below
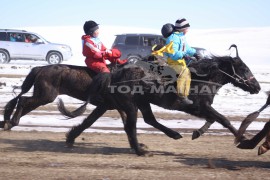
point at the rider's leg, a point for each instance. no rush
(186, 80)
(183, 82)
(100, 82)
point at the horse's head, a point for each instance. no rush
(239, 74)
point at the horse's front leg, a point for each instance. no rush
(131, 130)
(124, 120)
(212, 115)
(202, 130)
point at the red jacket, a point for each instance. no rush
(95, 53)
(93, 48)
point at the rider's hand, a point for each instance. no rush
(108, 51)
(197, 56)
(186, 57)
(121, 61)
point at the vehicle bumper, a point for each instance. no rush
(67, 55)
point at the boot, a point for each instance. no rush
(185, 100)
(99, 87)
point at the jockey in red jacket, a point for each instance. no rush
(94, 50)
(96, 54)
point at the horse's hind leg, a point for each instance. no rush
(77, 130)
(10, 106)
(150, 119)
(26, 105)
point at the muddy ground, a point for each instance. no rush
(43, 155)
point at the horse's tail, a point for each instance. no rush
(71, 114)
(249, 119)
(102, 80)
(244, 125)
(26, 86)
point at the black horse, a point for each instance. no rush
(265, 132)
(50, 81)
(219, 71)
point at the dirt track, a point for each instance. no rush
(43, 155)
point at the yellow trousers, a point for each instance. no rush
(183, 80)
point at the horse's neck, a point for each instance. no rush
(214, 76)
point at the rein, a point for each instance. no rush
(236, 77)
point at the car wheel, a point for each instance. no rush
(54, 58)
(4, 57)
(133, 58)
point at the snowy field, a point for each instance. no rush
(254, 49)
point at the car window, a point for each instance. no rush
(132, 40)
(30, 38)
(120, 39)
(3, 36)
(16, 37)
(149, 41)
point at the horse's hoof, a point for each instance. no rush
(177, 136)
(196, 134)
(69, 143)
(174, 135)
(144, 153)
(7, 126)
(143, 146)
(262, 149)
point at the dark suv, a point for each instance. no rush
(136, 46)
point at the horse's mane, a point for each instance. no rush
(204, 66)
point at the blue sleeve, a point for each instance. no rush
(176, 46)
(190, 51)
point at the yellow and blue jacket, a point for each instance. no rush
(180, 49)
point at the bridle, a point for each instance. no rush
(236, 77)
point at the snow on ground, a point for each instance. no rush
(253, 44)
(58, 123)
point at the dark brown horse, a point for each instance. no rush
(51, 81)
(253, 142)
(221, 70)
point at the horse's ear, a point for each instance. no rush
(236, 59)
(233, 45)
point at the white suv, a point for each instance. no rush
(21, 44)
